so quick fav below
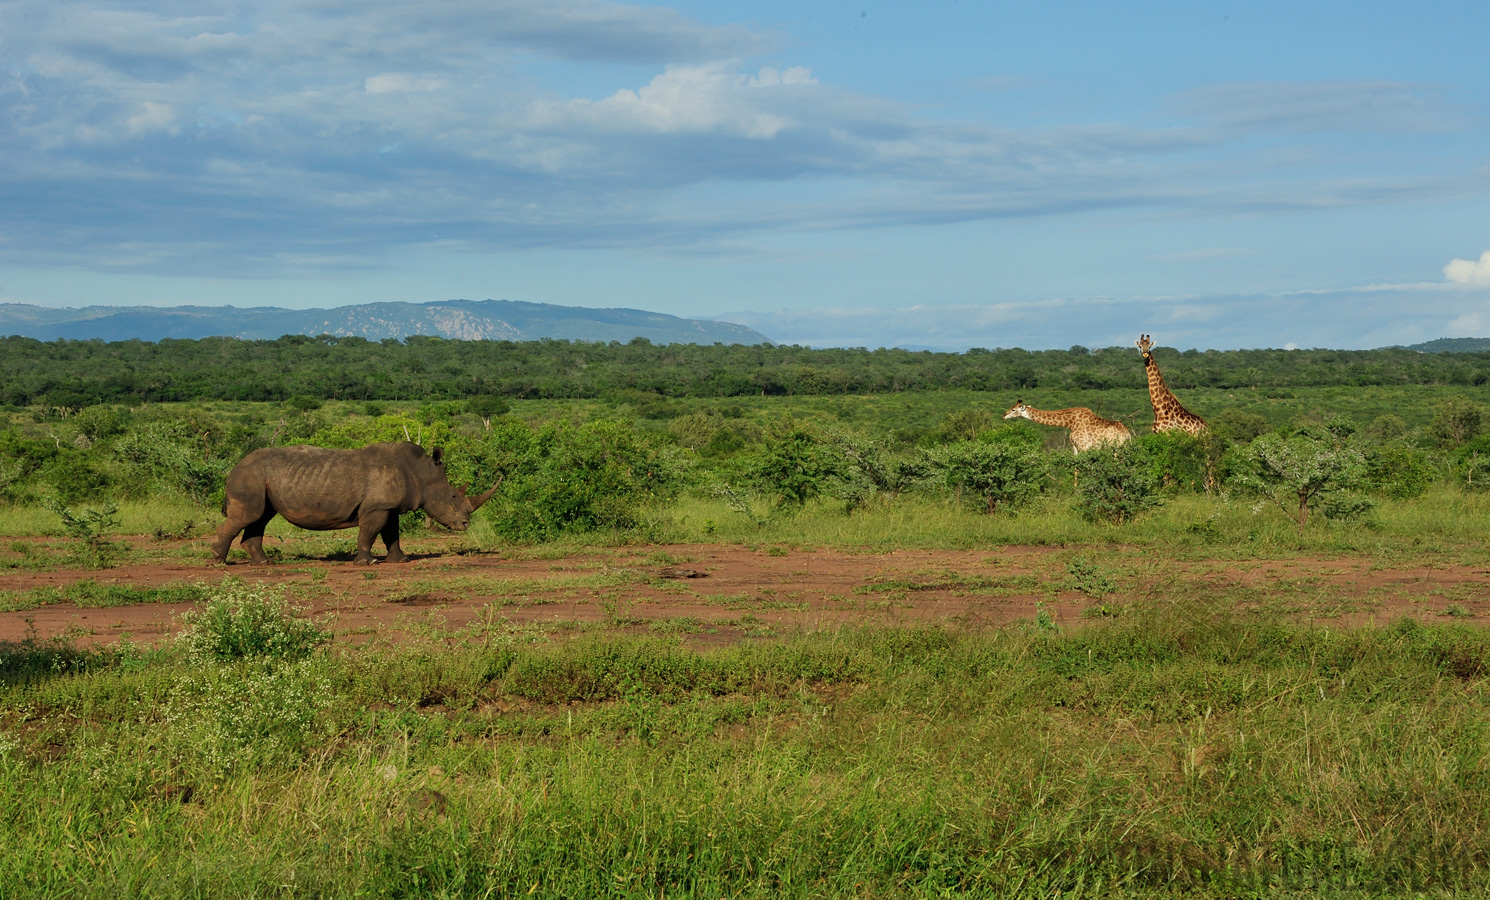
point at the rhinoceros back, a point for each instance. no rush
(318, 488)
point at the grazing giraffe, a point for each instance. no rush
(1169, 414)
(1087, 429)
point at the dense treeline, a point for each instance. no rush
(77, 374)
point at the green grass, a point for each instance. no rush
(1443, 519)
(135, 517)
(1177, 748)
(89, 593)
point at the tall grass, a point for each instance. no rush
(1442, 518)
(1178, 748)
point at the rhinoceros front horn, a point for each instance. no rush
(477, 501)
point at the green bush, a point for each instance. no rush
(868, 470)
(964, 425)
(90, 528)
(571, 478)
(22, 458)
(174, 456)
(1457, 421)
(97, 423)
(1115, 484)
(1238, 426)
(1001, 474)
(1177, 459)
(1398, 470)
(242, 621)
(794, 466)
(1472, 463)
(74, 476)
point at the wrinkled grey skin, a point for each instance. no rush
(322, 490)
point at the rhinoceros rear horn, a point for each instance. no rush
(477, 501)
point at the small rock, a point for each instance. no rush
(427, 804)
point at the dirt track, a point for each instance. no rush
(721, 593)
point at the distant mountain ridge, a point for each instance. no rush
(1452, 345)
(467, 320)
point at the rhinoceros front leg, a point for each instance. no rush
(369, 525)
(390, 540)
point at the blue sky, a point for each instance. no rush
(940, 174)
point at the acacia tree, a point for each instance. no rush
(1298, 471)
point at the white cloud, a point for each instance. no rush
(273, 128)
(694, 99)
(1377, 318)
(153, 117)
(395, 82)
(1465, 271)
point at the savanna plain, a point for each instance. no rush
(770, 644)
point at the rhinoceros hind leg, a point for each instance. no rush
(249, 520)
(253, 539)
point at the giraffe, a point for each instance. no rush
(1169, 414)
(1087, 429)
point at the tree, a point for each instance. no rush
(1300, 470)
(487, 407)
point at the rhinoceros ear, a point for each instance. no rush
(438, 454)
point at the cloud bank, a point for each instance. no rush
(248, 137)
(1379, 316)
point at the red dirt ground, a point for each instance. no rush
(716, 593)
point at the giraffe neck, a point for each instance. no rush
(1159, 394)
(1169, 413)
(1049, 417)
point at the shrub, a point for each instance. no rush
(868, 470)
(1178, 459)
(174, 456)
(1000, 473)
(1457, 421)
(1115, 484)
(74, 477)
(571, 478)
(98, 423)
(487, 407)
(1472, 463)
(1237, 426)
(1398, 470)
(241, 621)
(794, 466)
(89, 527)
(964, 425)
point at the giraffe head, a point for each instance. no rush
(1018, 410)
(1144, 345)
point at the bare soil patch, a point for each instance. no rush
(713, 593)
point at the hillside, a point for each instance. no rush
(508, 320)
(1452, 345)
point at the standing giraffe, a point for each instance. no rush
(1169, 414)
(1087, 429)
